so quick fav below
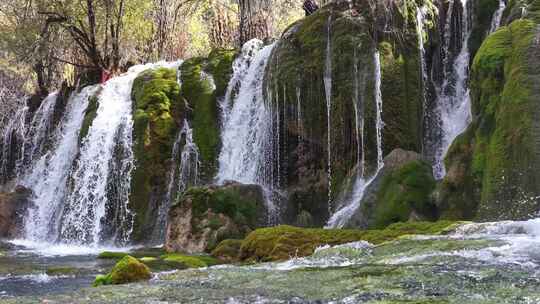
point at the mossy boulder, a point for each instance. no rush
(284, 242)
(499, 155)
(157, 109)
(228, 250)
(400, 192)
(204, 81)
(336, 42)
(127, 270)
(204, 216)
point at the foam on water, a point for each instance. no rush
(47, 249)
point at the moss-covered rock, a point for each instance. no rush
(400, 192)
(157, 109)
(296, 89)
(207, 215)
(284, 242)
(228, 250)
(204, 80)
(499, 154)
(190, 261)
(90, 114)
(127, 270)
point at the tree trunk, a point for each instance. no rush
(254, 19)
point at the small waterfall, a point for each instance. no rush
(420, 26)
(352, 201)
(497, 16)
(379, 108)
(327, 77)
(240, 70)
(13, 142)
(24, 141)
(246, 132)
(49, 175)
(40, 129)
(96, 209)
(453, 100)
(185, 153)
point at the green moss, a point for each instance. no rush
(502, 137)
(190, 261)
(157, 109)
(200, 94)
(112, 255)
(127, 270)
(227, 201)
(404, 191)
(227, 250)
(483, 14)
(283, 242)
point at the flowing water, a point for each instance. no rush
(25, 139)
(246, 133)
(351, 201)
(497, 17)
(327, 77)
(184, 173)
(49, 175)
(490, 263)
(453, 100)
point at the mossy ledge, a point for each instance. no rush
(157, 110)
(283, 242)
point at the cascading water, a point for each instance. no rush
(13, 138)
(497, 17)
(40, 128)
(49, 175)
(453, 100)
(96, 208)
(24, 141)
(246, 131)
(185, 153)
(327, 78)
(352, 201)
(420, 26)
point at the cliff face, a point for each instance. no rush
(322, 86)
(493, 166)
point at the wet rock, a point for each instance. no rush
(205, 216)
(284, 242)
(127, 270)
(13, 207)
(228, 250)
(493, 167)
(400, 192)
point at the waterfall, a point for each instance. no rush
(497, 16)
(327, 77)
(420, 24)
(180, 177)
(96, 207)
(247, 129)
(24, 141)
(351, 202)
(40, 128)
(379, 104)
(13, 139)
(453, 100)
(240, 70)
(49, 175)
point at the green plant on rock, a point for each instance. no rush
(157, 109)
(284, 242)
(127, 270)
